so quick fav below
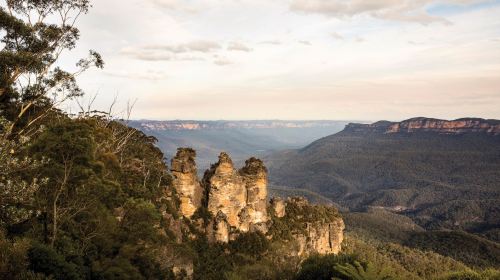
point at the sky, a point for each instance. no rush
(294, 59)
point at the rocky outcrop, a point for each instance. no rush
(254, 174)
(459, 126)
(239, 195)
(221, 228)
(321, 238)
(317, 229)
(278, 206)
(414, 125)
(185, 181)
(377, 127)
(236, 201)
(226, 190)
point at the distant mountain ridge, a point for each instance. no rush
(241, 139)
(222, 124)
(422, 124)
(442, 174)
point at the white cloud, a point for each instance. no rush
(193, 46)
(271, 42)
(238, 46)
(399, 10)
(183, 51)
(146, 75)
(222, 61)
(177, 5)
(337, 36)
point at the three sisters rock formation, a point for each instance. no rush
(237, 202)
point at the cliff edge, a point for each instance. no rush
(421, 124)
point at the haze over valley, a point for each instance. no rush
(241, 139)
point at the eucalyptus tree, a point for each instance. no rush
(34, 34)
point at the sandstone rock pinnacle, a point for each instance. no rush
(185, 181)
(226, 190)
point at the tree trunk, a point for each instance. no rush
(54, 223)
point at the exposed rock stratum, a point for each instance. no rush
(236, 201)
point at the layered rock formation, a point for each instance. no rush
(459, 126)
(321, 238)
(237, 203)
(226, 190)
(239, 195)
(317, 229)
(254, 175)
(185, 181)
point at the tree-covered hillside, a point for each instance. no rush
(441, 181)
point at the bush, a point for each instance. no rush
(44, 259)
(322, 267)
(253, 244)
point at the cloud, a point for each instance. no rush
(222, 61)
(359, 39)
(303, 42)
(405, 10)
(270, 42)
(145, 54)
(147, 75)
(237, 46)
(193, 46)
(176, 5)
(185, 51)
(337, 36)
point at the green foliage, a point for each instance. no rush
(211, 260)
(473, 275)
(16, 190)
(473, 250)
(405, 262)
(385, 226)
(440, 181)
(361, 271)
(139, 221)
(252, 271)
(13, 258)
(253, 244)
(322, 267)
(298, 215)
(32, 41)
(44, 259)
(381, 224)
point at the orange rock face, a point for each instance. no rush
(239, 195)
(185, 181)
(459, 126)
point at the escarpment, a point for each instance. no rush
(429, 125)
(236, 202)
